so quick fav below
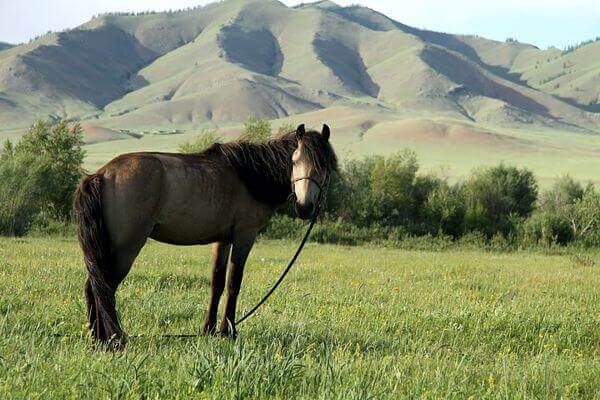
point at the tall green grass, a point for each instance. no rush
(348, 323)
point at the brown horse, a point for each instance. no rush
(223, 195)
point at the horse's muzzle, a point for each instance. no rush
(305, 211)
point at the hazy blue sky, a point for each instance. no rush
(541, 22)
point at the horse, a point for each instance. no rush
(223, 195)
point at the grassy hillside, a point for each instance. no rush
(215, 65)
(573, 76)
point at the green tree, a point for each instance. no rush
(256, 130)
(22, 187)
(350, 197)
(495, 195)
(392, 184)
(584, 214)
(60, 143)
(564, 192)
(444, 210)
(39, 174)
(201, 142)
(285, 129)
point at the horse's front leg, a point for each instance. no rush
(220, 256)
(241, 247)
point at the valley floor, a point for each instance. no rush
(349, 322)
(444, 147)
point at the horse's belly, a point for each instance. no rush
(192, 231)
(204, 222)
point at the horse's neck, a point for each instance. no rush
(279, 180)
(267, 174)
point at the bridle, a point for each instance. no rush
(323, 188)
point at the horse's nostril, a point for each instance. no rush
(304, 211)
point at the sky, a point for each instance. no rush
(543, 23)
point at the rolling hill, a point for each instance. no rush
(379, 82)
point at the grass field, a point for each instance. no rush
(359, 322)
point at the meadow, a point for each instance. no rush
(348, 323)
(453, 154)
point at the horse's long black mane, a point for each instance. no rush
(266, 168)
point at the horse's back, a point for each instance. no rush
(177, 198)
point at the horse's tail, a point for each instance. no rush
(95, 243)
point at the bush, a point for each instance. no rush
(379, 190)
(60, 144)
(376, 199)
(284, 129)
(350, 196)
(283, 227)
(567, 213)
(256, 130)
(206, 138)
(444, 210)
(38, 174)
(546, 228)
(494, 194)
(22, 182)
(565, 191)
(584, 214)
(392, 184)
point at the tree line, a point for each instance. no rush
(375, 198)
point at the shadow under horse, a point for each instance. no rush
(223, 195)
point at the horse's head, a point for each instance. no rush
(313, 163)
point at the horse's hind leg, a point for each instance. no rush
(220, 257)
(105, 326)
(92, 311)
(124, 254)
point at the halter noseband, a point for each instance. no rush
(313, 180)
(323, 187)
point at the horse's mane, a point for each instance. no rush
(266, 168)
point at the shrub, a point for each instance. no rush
(283, 227)
(200, 142)
(285, 129)
(567, 212)
(584, 215)
(40, 173)
(565, 191)
(392, 184)
(473, 239)
(350, 197)
(22, 179)
(444, 210)
(492, 195)
(546, 228)
(61, 145)
(256, 130)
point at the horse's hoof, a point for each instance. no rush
(208, 330)
(228, 333)
(113, 344)
(117, 343)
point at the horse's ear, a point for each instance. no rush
(326, 132)
(300, 131)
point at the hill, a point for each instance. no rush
(215, 65)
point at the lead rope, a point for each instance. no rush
(298, 251)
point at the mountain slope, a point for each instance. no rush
(574, 76)
(217, 64)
